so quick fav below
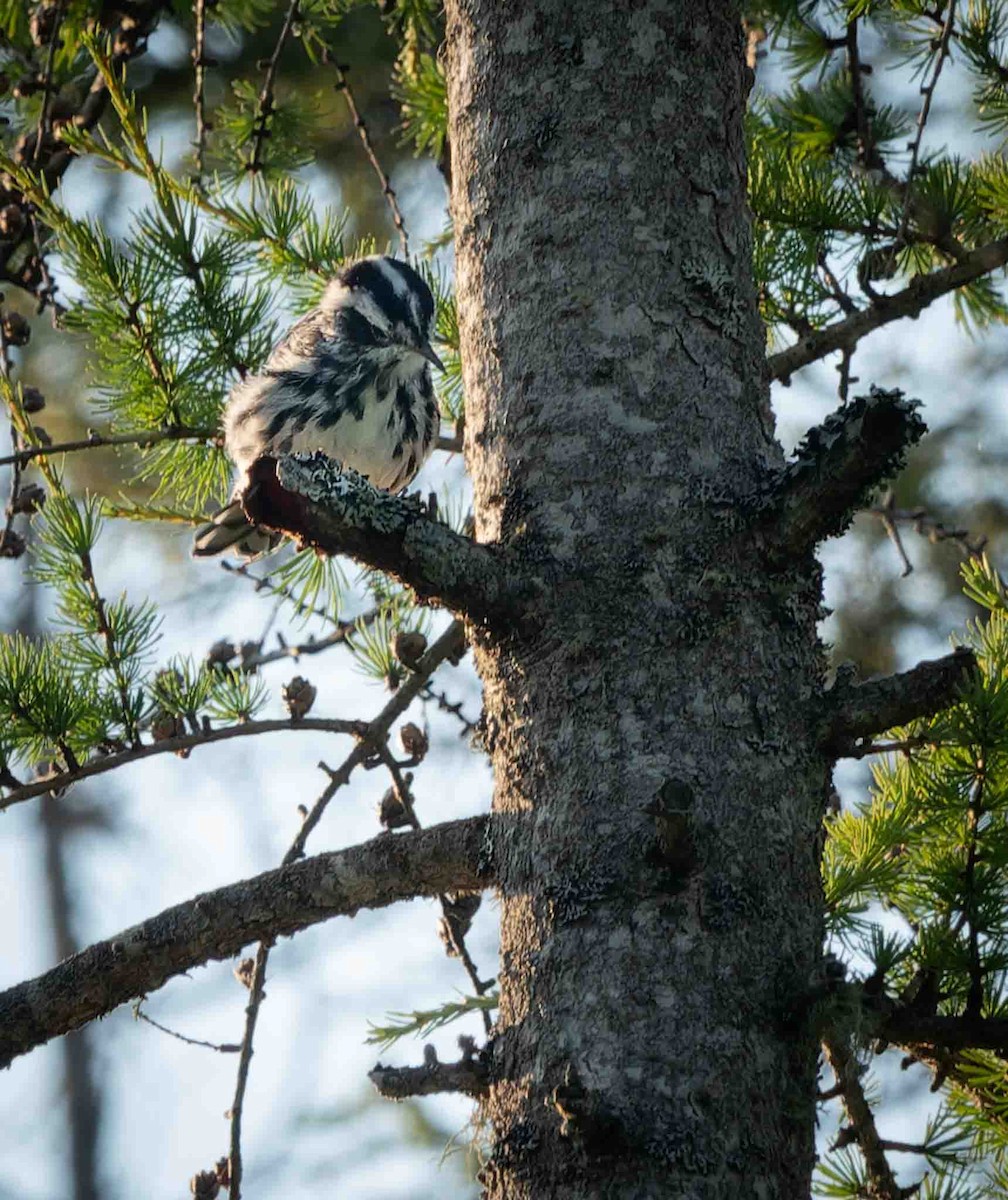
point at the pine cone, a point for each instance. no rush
(414, 741)
(12, 545)
(409, 646)
(16, 330)
(458, 910)
(243, 972)
(391, 812)
(29, 499)
(205, 1185)
(220, 653)
(298, 697)
(32, 400)
(12, 221)
(42, 25)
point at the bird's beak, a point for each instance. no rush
(428, 352)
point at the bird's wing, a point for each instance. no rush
(302, 339)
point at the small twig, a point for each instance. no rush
(402, 790)
(96, 441)
(906, 746)
(46, 293)
(312, 645)
(454, 709)
(927, 526)
(457, 941)
(47, 83)
(884, 512)
(256, 994)
(845, 1068)
(450, 445)
(343, 85)
(129, 718)
(845, 303)
(260, 130)
(263, 583)
(448, 646)
(867, 153)
(844, 371)
(941, 53)
(903, 1147)
(220, 1047)
(269, 621)
(200, 64)
(189, 741)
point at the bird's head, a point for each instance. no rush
(381, 303)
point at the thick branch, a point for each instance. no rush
(858, 710)
(218, 924)
(836, 467)
(468, 1076)
(924, 1034)
(910, 302)
(312, 498)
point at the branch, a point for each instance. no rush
(858, 710)
(468, 1075)
(312, 498)
(216, 925)
(925, 1033)
(95, 441)
(343, 85)
(450, 445)
(845, 1068)
(265, 106)
(450, 645)
(200, 64)
(50, 158)
(836, 467)
(58, 780)
(910, 302)
(456, 916)
(925, 525)
(939, 53)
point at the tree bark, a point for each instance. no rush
(661, 905)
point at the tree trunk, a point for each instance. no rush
(658, 784)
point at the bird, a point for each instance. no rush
(352, 379)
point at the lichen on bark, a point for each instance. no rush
(617, 426)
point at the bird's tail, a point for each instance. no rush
(230, 529)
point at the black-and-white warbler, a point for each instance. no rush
(350, 379)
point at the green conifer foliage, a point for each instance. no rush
(859, 218)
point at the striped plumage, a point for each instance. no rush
(350, 379)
